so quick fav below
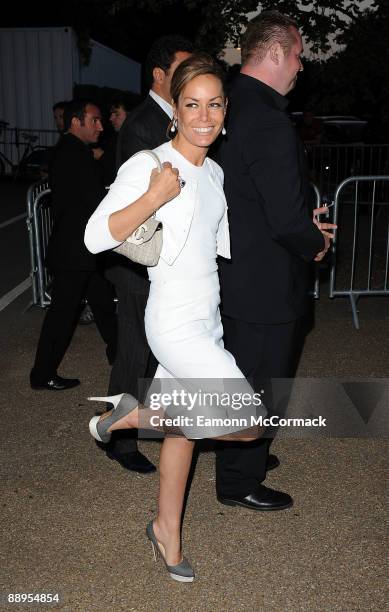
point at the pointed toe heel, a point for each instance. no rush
(93, 429)
(124, 403)
(182, 572)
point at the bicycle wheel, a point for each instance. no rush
(35, 164)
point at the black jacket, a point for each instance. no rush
(144, 128)
(77, 189)
(272, 234)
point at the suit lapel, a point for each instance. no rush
(157, 109)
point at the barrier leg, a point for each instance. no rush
(353, 302)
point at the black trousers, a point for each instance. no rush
(68, 290)
(134, 359)
(262, 352)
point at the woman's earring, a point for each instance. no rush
(224, 131)
(174, 126)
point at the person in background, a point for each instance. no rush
(58, 112)
(76, 189)
(144, 128)
(86, 316)
(118, 111)
(43, 157)
(273, 240)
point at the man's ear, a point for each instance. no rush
(158, 75)
(275, 52)
(75, 122)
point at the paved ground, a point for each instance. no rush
(74, 523)
(13, 235)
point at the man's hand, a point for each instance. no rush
(322, 254)
(323, 227)
(322, 210)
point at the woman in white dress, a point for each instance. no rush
(182, 320)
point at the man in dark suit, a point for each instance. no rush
(273, 238)
(76, 189)
(119, 108)
(144, 128)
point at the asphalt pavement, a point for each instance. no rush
(73, 522)
(13, 235)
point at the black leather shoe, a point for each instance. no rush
(272, 462)
(262, 498)
(55, 383)
(135, 461)
(86, 317)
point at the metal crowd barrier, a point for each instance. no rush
(363, 270)
(361, 209)
(39, 224)
(316, 286)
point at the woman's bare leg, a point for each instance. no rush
(175, 461)
(174, 464)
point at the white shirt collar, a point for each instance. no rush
(162, 103)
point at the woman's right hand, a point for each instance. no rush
(165, 185)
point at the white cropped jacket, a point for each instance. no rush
(132, 182)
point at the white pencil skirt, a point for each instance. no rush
(185, 333)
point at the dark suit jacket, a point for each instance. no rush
(107, 162)
(266, 186)
(77, 189)
(144, 128)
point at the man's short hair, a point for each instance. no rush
(75, 108)
(162, 51)
(61, 104)
(120, 101)
(264, 30)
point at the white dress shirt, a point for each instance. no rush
(162, 103)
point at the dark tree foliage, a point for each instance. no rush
(214, 23)
(356, 79)
(359, 75)
(130, 26)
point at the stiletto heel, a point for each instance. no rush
(154, 553)
(182, 572)
(124, 403)
(111, 399)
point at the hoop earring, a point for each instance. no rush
(224, 131)
(174, 126)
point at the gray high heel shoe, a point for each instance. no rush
(123, 404)
(183, 572)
